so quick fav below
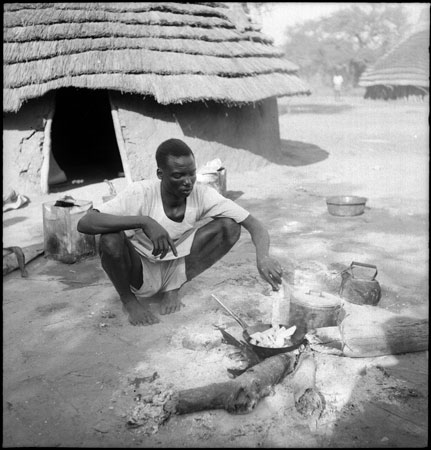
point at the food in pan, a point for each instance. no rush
(273, 337)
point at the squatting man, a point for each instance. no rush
(151, 241)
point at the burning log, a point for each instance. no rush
(241, 395)
(309, 401)
(238, 396)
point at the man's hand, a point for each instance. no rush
(269, 268)
(159, 237)
(271, 271)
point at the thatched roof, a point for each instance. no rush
(405, 65)
(176, 52)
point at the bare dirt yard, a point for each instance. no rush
(75, 371)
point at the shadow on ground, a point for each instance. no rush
(313, 108)
(297, 153)
(233, 195)
(13, 221)
(398, 408)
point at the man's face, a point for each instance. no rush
(179, 175)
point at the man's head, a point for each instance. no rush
(176, 167)
(171, 147)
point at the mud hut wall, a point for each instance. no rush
(23, 136)
(143, 128)
(244, 138)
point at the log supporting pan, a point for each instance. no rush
(346, 205)
(296, 339)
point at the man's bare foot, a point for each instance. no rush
(139, 314)
(171, 302)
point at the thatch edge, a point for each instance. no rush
(238, 92)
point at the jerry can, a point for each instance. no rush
(358, 286)
(62, 241)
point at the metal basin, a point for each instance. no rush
(346, 205)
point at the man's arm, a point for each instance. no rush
(95, 222)
(268, 267)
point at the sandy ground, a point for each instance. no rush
(74, 369)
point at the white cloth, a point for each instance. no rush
(143, 198)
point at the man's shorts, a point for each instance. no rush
(166, 274)
(161, 276)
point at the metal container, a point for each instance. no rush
(359, 287)
(216, 180)
(346, 205)
(313, 309)
(62, 241)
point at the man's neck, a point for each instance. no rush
(170, 200)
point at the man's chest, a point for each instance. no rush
(175, 213)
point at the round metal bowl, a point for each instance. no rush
(346, 205)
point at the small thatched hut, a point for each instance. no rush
(403, 71)
(92, 89)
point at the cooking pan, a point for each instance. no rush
(296, 339)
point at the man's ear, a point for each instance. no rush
(159, 173)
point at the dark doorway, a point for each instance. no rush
(83, 138)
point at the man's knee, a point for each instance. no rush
(231, 230)
(111, 244)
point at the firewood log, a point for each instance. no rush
(367, 331)
(238, 396)
(308, 399)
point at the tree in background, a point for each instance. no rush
(254, 10)
(345, 42)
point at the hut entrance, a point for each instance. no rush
(83, 141)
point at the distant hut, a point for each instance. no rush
(403, 71)
(91, 89)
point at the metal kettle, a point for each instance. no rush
(360, 290)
